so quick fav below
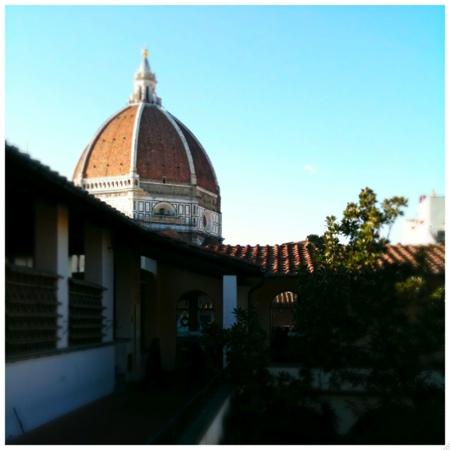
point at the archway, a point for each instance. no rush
(164, 209)
(282, 310)
(282, 321)
(194, 312)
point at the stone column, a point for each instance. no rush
(229, 298)
(51, 254)
(99, 269)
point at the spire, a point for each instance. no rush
(144, 90)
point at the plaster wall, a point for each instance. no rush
(430, 220)
(127, 311)
(41, 389)
(437, 214)
(242, 299)
(149, 308)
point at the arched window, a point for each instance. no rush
(195, 310)
(164, 209)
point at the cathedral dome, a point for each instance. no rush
(146, 140)
(149, 165)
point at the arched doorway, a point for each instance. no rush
(282, 310)
(195, 310)
(282, 321)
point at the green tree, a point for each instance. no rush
(246, 349)
(355, 312)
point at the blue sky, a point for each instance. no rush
(298, 107)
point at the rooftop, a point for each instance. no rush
(285, 259)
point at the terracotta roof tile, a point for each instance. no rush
(285, 259)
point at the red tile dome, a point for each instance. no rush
(146, 140)
(147, 164)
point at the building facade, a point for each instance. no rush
(146, 163)
(74, 331)
(428, 227)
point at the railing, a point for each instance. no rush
(31, 310)
(85, 312)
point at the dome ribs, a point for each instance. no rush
(161, 155)
(79, 167)
(203, 169)
(110, 153)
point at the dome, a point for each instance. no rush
(148, 141)
(149, 165)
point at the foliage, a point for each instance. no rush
(354, 312)
(213, 341)
(246, 349)
(244, 346)
(360, 229)
(266, 408)
(378, 327)
(279, 411)
(391, 424)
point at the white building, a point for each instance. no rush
(428, 227)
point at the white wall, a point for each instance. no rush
(42, 389)
(429, 220)
(437, 214)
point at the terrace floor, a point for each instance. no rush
(133, 414)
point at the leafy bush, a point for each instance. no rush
(280, 410)
(352, 313)
(401, 423)
(387, 319)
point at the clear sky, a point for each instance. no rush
(298, 107)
